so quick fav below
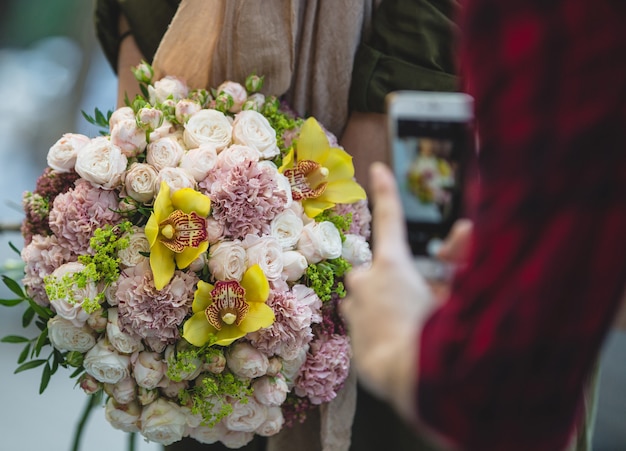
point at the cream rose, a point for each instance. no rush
(105, 364)
(124, 417)
(208, 127)
(101, 163)
(121, 114)
(124, 391)
(215, 230)
(121, 341)
(129, 137)
(149, 118)
(163, 422)
(254, 102)
(245, 360)
(236, 91)
(140, 182)
(62, 154)
(70, 305)
(267, 252)
(320, 241)
(356, 250)
(291, 367)
(207, 434)
(148, 369)
(185, 108)
(270, 390)
(246, 417)
(166, 88)
(294, 265)
(176, 178)
(65, 336)
(227, 260)
(236, 154)
(273, 422)
(164, 153)
(137, 243)
(199, 162)
(286, 227)
(252, 129)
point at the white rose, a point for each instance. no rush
(129, 137)
(236, 92)
(193, 367)
(98, 320)
(121, 341)
(101, 163)
(167, 129)
(70, 306)
(246, 417)
(208, 127)
(286, 227)
(245, 360)
(163, 422)
(121, 114)
(185, 108)
(170, 388)
(270, 390)
(199, 162)
(227, 260)
(207, 434)
(252, 129)
(62, 154)
(294, 265)
(105, 364)
(291, 367)
(65, 336)
(356, 250)
(140, 182)
(320, 241)
(236, 154)
(124, 417)
(164, 153)
(267, 252)
(199, 263)
(137, 243)
(176, 178)
(215, 229)
(145, 395)
(148, 369)
(273, 422)
(236, 439)
(124, 391)
(216, 365)
(167, 87)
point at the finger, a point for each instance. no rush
(456, 246)
(389, 233)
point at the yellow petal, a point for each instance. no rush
(152, 229)
(313, 207)
(197, 329)
(259, 316)
(339, 165)
(312, 143)
(162, 204)
(256, 285)
(162, 264)
(188, 200)
(343, 192)
(189, 254)
(227, 334)
(288, 161)
(202, 297)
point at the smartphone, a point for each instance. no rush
(431, 135)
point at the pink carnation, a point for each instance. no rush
(77, 214)
(295, 312)
(245, 199)
(152, 314)
(325, 369)
(361, 217)
(42, 256)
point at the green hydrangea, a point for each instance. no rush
(325, 278)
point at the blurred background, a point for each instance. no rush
(51, 68)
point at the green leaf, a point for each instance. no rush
(14, 339)
(11, 302)
(24, 354)
(13, 286)
(100, 119)
(45, 378)
(30, 365)
(88, 118)
(41, 342)
(43, 312)
(27, 317)
(80, 370)
(55, 362)
(15, 249)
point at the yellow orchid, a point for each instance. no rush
(229, 309)
(176, 231)
(320, 175)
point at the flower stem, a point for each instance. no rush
(131, 441)
(91, 403)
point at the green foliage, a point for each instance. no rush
(99, 119)
(324, 278)
(342, 222)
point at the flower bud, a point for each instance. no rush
(74, 358)
(275, 366)
(146, 396)
(149, 119)
(255, 102)
(201, 96)
(215, 364)
(143, 73)
(89, 384)
(98, 320)
(254, 83)
(224, 102)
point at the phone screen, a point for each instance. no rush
(428, 165)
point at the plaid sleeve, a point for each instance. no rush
(503, 363)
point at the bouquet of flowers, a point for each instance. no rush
(188, 263)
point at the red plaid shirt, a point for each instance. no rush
(504, 362)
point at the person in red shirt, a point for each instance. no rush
(502, 363)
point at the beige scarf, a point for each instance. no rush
(304, 48)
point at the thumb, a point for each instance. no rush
(388, 225)
(456, 246)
